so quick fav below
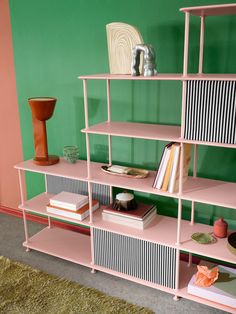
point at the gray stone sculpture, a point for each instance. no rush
(149, 64)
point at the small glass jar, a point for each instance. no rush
(71, 153)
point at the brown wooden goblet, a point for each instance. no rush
(42, 109)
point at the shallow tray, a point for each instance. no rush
(134, 173)
(203, 238)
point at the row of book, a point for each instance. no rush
(71, 205)
(76, 206)
(167, 177)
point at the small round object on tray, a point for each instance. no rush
(203, 238)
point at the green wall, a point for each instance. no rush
(55, 41)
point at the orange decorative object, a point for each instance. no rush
(42, 109)
(205, 277)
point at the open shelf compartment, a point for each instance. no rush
(68, 245)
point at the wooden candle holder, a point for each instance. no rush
(42, 109)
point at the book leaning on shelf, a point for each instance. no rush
(79, 214)
(167, 177)
(138, 218)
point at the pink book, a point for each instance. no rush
(138, 213)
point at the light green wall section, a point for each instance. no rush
(55, 41)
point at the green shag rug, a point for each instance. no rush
(24, 290)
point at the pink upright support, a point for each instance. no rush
(201, 45)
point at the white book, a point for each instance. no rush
(175, 165)
(222, 291)
(162, 172)
(80, 214)
(69, 200)
(123, 220)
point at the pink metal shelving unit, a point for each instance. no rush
(81, 248)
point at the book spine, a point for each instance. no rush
(163, 169)
(168, 169)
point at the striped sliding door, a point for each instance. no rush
(56, 184)
(134, 257)
(211, 111)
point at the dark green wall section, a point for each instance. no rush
(55, 41)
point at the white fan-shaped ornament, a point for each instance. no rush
(121, 39)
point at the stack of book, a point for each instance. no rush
(138, 218)
(71, 205)
(167, 177)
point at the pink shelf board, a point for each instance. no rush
(161, 76)
(108, 76)
(137, 130)
(209, 143)
(216, 250)
(62, 169)
(201, 190)
(68, 245)
(211, 10)
(209, 77)
(210, 191)
(146, 131)
(186, 273)
(38, 205)
(142, 185)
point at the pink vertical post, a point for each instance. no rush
(90, 202)
(86, 125)
(180, 192)
(186, 43)
(109, 136)
(46, 190)
(179, 221)
(93, 270)
(22, 203)
(109, 120)
(194, 175)
(201, 45)
(185, 71)
(176, 297)
(88, 149)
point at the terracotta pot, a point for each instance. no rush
(220, 228)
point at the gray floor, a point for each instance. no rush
(12, 236)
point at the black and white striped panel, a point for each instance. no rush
(211, 111)
(57, 184)
(138, 258)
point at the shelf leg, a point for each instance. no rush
(49, 223)
(93, 271)
(177, 271)
(176, 298)
(22, 195)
